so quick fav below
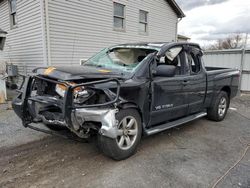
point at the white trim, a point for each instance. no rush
(47, 30)
(42, 9)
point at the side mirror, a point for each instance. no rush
(165, 71)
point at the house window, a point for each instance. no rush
(13, 19)
(119, 16)
(143, 21)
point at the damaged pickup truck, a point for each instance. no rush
(125, 92)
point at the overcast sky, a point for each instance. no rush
(209, 20)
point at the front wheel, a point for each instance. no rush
(219, 107)
(130, 131)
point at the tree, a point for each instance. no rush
(234, 41)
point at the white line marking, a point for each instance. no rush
(234, 109)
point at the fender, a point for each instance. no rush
(126, 105)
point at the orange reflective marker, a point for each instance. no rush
(104, 71)
(49, 70)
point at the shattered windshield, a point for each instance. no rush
(121, 59)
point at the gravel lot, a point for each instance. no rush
(193, 155)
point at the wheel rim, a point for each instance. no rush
(127, 132)
(222, 106)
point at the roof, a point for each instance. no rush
(143, 44)
(154, 45)
(176, 8)
(183, 37)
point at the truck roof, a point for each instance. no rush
(157, 45)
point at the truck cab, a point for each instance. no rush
(183, 91)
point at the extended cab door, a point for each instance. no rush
(195, 86)
(169, 99)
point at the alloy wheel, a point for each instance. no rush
(127, 132)
(222, 106)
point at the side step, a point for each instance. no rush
(175, 123)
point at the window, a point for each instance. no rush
(194, 63)
(143, 21)
(2, 41)
(119, 16)
(119, 59)
(13, 18)
(175, 56)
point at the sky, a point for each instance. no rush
(209, 20)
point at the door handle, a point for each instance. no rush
(185, 82)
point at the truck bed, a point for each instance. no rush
(220, 70)
(217, 69)
(218, 78)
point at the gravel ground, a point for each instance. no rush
(193, 155)
(12, 133)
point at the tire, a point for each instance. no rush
(111, 147)
(219, 107)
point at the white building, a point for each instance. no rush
(55, 32)
(182, 38)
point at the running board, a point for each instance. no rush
(175, 123)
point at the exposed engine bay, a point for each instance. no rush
(46, 103)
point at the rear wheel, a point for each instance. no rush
(219, 107)
(130, 131)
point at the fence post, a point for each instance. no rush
(241, 67)
(242, 63)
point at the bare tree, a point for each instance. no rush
(234, 41)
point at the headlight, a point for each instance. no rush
(60, 89)
(79, 91)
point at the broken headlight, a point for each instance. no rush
(79, 91)
(81, 94)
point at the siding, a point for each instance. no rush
(24, 44)
(78, 29)
(231, 59)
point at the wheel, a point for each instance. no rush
(219, 107)
(126, 143)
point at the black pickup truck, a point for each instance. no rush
(126, 91)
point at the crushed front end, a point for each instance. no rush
(81, 106)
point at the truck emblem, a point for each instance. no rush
(164, 106)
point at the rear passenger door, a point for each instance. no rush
(195, 85)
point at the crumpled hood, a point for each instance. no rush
(78, 72)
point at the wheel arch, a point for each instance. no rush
(227, 89)
(127, 105)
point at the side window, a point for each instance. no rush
(119, 16)
(174, 57)
(194, 63)
(13, 17)
(143, 21)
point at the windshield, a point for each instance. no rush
(121, 59)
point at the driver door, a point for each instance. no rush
(169, 99)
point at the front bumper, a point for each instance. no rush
(72, 117)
